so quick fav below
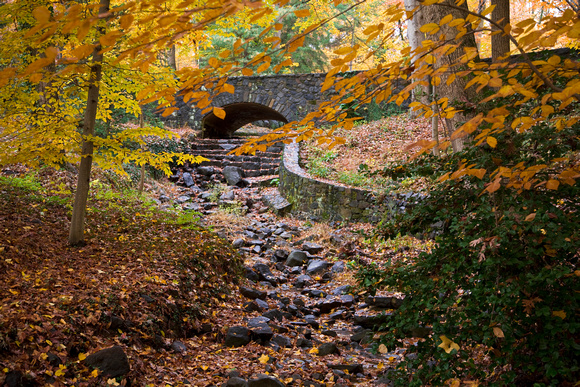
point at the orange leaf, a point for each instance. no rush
(552, 184)
(302, 13)
(219, 112)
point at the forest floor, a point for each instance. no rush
(166, 289)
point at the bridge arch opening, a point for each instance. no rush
(237, 115)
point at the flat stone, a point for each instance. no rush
(178, 347)
(265, 381)
(282, 341)
(252, 293)
(258, 321)
(312, 248)
(112, 362)
(277, 203)
(296, 258)
(338, 267)
(352, 369)
(188, 179)
(316, 266)
(237, 336)
(302, 280)
(235, 382)
(328, 349)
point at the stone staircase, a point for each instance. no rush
(216, 151)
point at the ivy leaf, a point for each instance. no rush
(559, 313)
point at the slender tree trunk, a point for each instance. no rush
(415, 37)
(456, 91)
(500, 42)
(172, 57)
(142, 124)
(76, 234)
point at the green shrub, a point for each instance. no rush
(501, 283)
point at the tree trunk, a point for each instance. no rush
(455, 92)
(172, 57)
(415, 37)
(500, 42)
(76, 234)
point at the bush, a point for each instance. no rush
(499, 292)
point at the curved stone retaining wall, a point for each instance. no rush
(335, 202)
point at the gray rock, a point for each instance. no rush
(274, 314)
(252, 275)
(341, 290)
(282, 341)
(265, 274)
(262, 333)
(178, 347)
(235, 382)
(263, 305)
(296, 258)
(233, 175)
(327, 305)
(312, 248)
(279, 255)
(302, 280)
(183, 198)
(238, 242)
(188, 179)
(265, 381)
(228, 195)
(352, 369)
(316, 266)
(237, 336)
(112, 362)
(252, 293)
(205, 170)
(364, 337)
(277, 203)
(255, 322)
(338, 267)
(327, 349)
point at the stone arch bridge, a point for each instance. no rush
(282, 98)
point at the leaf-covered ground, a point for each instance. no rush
(374, 145)
(145, 280)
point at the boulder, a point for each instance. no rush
(265, 381)
(188, 179)
(233, 175)
(112, 362)
(252, 293)
(237, 336)
(312, 248)
(327, 349)
(277, 203)
(296, 258)
(317, 266)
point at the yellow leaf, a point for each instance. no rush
(380, 366)
(264, 359)
(383, 349)
(446, 20)
(204, 367)
(219, 112)
(530, 217)
(429, 28)
(229, 88)
(491, 141)
(559, 313)
(313, 351)
(263, 67)
(302, 13)
(82, 356)
(495, 82)
(552, 184)
(95, 373)
(447, 344)
(498, 332)
(126, 21)
(41, 14)
(213, 62)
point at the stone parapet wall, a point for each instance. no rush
(333, 201)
